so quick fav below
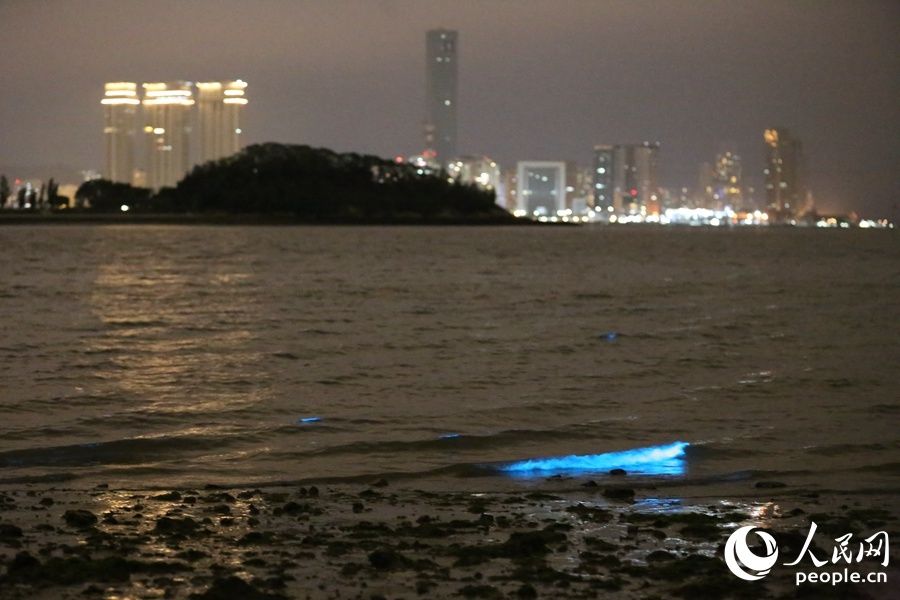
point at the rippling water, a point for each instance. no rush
(166, 355)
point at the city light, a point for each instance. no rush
(114, 101)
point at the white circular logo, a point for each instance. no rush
(738, 555)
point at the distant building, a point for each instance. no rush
(219, 108)
(627, 176)
(440, 94)
(120, 104)
(541, 188)
(510, 185)
(579, 188)
(783, 172)
(706, 180)
(167, 128)
(727, 190)
(646, 180)
(480, 171)
(603, 179)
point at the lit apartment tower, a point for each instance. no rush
(219, 105)
(167, 118)
(480, 171)
(119, 112)
(783, 171)
(603, 178)
(635, 184)
(727, 181)
(646, 158)
(440, 93)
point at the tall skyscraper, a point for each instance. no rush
(120, 103)
(603, 178)
(440, 94)
(783, 171)
(645, 168)
(627, 178)
(727, 181)
(219, 107)
(167, 119)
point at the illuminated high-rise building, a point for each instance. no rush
(440, 94)
(120, 104)
(783, 171)
(541, 188)
(219, 108)
(480, 171)
(727, 181)
(167, 128)
(628, 178)
(603, 178)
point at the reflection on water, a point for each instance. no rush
(178, 344)
(169, 327)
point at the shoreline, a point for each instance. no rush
(13, 218)
(552, 538)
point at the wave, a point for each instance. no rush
(123, 451)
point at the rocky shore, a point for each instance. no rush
(562, 538)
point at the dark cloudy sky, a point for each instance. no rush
(539, 79)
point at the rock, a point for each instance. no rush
(386, 559)
(8, 530)
(527, 591)
(46, 502)
(79, 518)
(590, 483)
(23, 566)
(231, 588)
(168, 496)
(660, 555)
(256, 537)
(590, 513)
(293, 508)
(380, 483)
(619, 494)
(618, 472)
(175, 526)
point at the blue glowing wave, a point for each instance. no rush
(667, 459)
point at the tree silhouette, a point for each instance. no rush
(4, 190)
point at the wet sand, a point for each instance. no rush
(555, 538)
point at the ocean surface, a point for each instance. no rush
(173, 355)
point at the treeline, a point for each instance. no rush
(27, 197)
(307, 183)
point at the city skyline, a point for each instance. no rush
(552, 98)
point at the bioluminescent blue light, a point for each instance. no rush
(609, 336)
(449, 436)
(310, 420)
(667, 459)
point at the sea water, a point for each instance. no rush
(179, 355)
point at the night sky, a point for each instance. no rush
(538, 79)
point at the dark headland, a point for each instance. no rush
(282, 184)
